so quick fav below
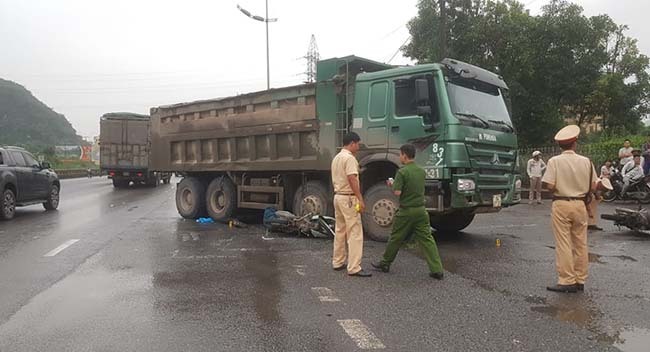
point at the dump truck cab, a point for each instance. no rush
(458, 118)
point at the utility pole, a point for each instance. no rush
(442, 45)
(266, 21)
(312, 59)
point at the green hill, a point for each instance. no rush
(26, 121)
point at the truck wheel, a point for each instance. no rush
(381, 207)
(120, 183)
(154, 180)
(190, 198)
(52, 199)
(8, 205)
(453, 222)
(221, 199)
(312, 197)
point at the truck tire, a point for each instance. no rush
(7, 205)
(221, 199)
(190, 198)
(453, 222)
(381, 207)
(154, 180)
(120, 183)
(313, 197)
(52, 201)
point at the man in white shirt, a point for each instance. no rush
(625, 153)
(535, 170)
(632, 171)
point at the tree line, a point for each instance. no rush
(560, 63)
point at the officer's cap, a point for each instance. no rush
(536, 153)
(567, 135)
(606, 183)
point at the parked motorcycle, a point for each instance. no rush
(636, 220)
(638, 190)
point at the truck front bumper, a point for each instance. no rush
(485, 193)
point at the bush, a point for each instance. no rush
(607, 148)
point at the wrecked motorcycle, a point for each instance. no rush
(309, 224)
(636, 220)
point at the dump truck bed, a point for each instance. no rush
(124, 141)
(270, 130)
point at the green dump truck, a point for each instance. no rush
(274, 148)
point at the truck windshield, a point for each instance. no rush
(469, 97)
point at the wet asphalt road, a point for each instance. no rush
(140, 278)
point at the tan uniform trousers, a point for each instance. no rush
(569, 221)
(348, 232)
(535, 189)
(592, 210)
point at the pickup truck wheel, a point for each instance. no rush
(7, 205)
(381, 207)
(221, 199)
(453, 222)
(190, 198)
(52, 199)
(312, 197)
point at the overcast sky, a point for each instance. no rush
(85, 57)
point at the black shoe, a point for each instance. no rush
(437, 276)
(361, 273)
(580, 287)
(380, 267)
(340, 267)
(563, 288)
(594, 228)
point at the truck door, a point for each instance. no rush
(377, 122)
(407, 123)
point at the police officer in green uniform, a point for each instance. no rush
(412, 218)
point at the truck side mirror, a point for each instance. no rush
(421, 91)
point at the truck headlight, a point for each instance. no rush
(518, 185)
(466, 185)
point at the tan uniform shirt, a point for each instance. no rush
(343, 165)
(569, 172)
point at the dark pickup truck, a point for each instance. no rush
(25, 181)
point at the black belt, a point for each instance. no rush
(569, 198)
(344, 194)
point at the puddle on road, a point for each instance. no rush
(598, 258)
(634, 340)
(581, 312)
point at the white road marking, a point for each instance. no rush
(325, 294)
(60, 248)
(362, 336)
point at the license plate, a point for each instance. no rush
(496, 201)
(126, 174)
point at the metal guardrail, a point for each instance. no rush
(75, 173)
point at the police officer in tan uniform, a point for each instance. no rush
(567, 176)
(348, 205)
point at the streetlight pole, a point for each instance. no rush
(266, 21)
